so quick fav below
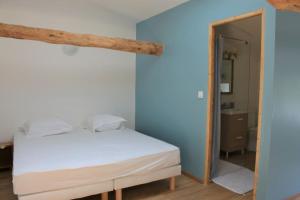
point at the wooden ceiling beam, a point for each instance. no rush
(83, 40)
(290, 5)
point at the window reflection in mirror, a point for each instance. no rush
(227, 76)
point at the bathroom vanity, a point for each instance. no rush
(234, 126)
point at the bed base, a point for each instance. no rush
(167, 173)
(104, 187)
(72, 193)
(104, 196)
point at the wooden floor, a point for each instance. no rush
(186, 189)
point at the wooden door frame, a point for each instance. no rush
(210, 102)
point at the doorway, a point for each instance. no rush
(228, 95)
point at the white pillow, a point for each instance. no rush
(44, 127)
(101, 123)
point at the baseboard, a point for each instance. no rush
(192, 177)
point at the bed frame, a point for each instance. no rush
(108, 186)
(73, 192)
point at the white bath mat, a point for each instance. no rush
(235, 178)
(225, 167)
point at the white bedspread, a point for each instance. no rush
(79, 158)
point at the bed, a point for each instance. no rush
(80, 164)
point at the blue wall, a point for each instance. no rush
(166, 87)
(285, 138)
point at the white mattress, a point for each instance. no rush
(81, 158)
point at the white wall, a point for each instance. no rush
(40, 80)
(246, 69)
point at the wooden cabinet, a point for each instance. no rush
(234, 132)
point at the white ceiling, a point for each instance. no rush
(138, 10)
(134, 10)
(250, 25)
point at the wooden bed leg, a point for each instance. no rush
(172, 183)
(104, 196)
(119, 194)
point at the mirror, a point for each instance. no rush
(227, 76)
